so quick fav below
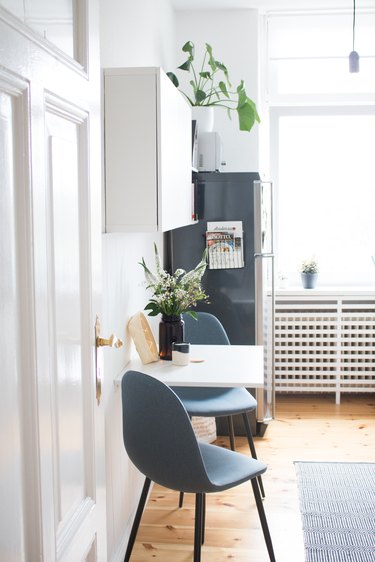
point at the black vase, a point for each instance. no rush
(171, 329)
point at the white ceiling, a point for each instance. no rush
(266, 5)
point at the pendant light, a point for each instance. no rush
(354, 56)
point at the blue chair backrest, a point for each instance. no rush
(206, 330)
(158, 435)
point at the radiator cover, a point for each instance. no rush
(324, 343)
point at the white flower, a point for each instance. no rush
(174, 294)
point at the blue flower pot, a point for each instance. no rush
(309, 280)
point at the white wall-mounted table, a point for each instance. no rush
(222, 366)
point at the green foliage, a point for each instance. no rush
(177, 293)
(209, 90)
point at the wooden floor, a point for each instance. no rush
(306, 428)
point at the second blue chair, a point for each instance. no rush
(216, 402)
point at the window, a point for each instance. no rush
(308, 55)
(322, 151)
(326, 193)
(54, 21)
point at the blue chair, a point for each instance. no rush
(216, 402)
(160, 441)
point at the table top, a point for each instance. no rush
(210, 365)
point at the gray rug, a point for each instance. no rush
(337, 502)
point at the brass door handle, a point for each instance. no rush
(112, 341)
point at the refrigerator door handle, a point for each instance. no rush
(265, 320)
(259, 255)
(258, 303)
(263, 219)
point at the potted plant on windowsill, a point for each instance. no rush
(309, 273)
(211, 87)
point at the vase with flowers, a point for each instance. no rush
(173, 295)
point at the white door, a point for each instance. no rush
(52, 444)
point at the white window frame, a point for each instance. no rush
(275, 114)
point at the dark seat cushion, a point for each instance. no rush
(215, 402)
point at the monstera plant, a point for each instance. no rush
(211, 87)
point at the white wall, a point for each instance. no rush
(143, 34)
(233, 36)
(137, 33)
(132, 34)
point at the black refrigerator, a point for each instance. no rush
(234, 214)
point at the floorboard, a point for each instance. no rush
(307, 427)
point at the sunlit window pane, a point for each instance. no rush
(323, 138)
(53, 20)
(320, 35)
(322, 76)
(326, 195)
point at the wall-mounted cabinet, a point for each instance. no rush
(147, 131)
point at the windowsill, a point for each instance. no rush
(329, 290)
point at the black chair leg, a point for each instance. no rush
(263, 520)
(203, 516)
(231, 432)
(252, 449)
(181, 499)
(137, 519)
(198, 527)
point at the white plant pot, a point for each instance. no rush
(204, 116)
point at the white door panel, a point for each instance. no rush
(11, 524)
(52, 458)
(66, 314)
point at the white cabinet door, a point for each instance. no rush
(51, 464)
(175, 157)
(147, 152)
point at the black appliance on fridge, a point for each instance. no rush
(235, 222)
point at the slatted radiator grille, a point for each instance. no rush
(357, 345)
(324, 345)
